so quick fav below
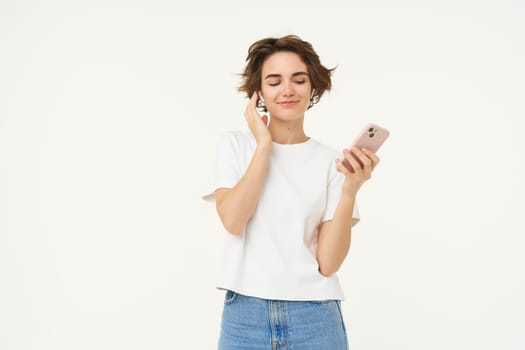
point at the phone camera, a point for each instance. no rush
(371, 132)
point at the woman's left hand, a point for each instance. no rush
(362, 163)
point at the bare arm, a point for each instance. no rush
(335, 235)
(236, 206)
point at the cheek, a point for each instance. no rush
(270, 94)
(307, 95)
(306, 90)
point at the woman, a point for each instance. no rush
(288, 204)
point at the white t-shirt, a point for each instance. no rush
(275, 257)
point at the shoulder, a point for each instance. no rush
(235, 143)
(238, 137)
(326, 151)
(325, 156)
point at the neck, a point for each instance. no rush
(287, 132)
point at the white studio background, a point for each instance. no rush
(109, 113)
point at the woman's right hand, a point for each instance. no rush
(256, 123)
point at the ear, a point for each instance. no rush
(260, 96)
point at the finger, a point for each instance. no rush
(251, 111)
(351, 160)
(362, 157)
(342, 168)
(252, 100)
(254, 97)
(375, 159)
(347, 165)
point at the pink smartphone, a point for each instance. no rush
(371, 137)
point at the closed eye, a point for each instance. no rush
(300, 82)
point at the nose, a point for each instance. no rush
(288, 89)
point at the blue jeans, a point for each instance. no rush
(250, 323)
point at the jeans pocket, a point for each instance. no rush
(229, 297)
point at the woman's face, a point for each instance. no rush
(285, 86)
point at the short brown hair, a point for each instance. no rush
(259, 51)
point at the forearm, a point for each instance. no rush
(335, 236)
(237, 205)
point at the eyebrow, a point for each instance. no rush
(279, 75)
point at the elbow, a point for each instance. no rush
(235, 230)
(231, 223)
(233, 227)
(329, 264)
(327, 270)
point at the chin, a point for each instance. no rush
(287, 114)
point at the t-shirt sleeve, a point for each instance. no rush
(226, 172)
(332, 199)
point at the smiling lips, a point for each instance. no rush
(288, 103)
